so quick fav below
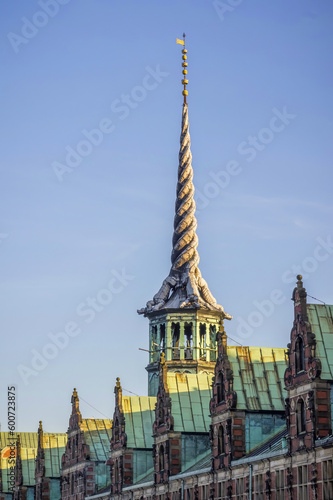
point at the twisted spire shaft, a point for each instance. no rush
(184, 287)
(185, 257)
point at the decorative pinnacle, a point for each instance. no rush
(74, 393)
(18, 446)
(40, 427)
(118, 383)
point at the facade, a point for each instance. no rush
(83, 467)
(219, 422)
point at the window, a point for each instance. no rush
(73, 446)
(116, 430)
(239, 488)
(221, 491)
(299, 355)
(220, 442)
(161, 458)
(300, 416)
(302, 483)
(154, 344)
(162, 339)
(160, 413)
(279, 481)
(259, 487)
(116, 472)
(327, 479)
(188, 340)
(189, 495)
(220, 388)
(212, 338)
(202, 344)
(204, 492)
(175, 331)
(72, 484)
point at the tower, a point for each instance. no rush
(183, 315)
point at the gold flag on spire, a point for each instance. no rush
(181, 42)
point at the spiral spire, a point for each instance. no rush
(184, 287)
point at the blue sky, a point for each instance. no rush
(260, 107)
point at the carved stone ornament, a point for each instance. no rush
(314, 369)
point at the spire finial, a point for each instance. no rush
(184, 64)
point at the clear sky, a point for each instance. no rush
(90, 124)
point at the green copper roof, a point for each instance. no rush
(54, 447)
(28, 439)
(258, 377)
(190, 396)
(320, 317)
(139, 412)
(97, 435)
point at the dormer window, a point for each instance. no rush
(116, 430)
(300, 417)
(220, 442)
(161, 414)
(299, 355)
(220, 388)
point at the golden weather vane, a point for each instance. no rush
(184, 64)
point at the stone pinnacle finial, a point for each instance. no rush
(18, 446)
(40, 434)
(75, 399)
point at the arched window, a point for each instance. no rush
(300, 416)
(116, 430)
(160, 413)
(162, 338)
(220, 442)
(188, 333)
(175, 331)
(161, 458)
(212, 338)
(154, 344)
(202, 343)
(73, 447)
(220, 388)
(299, 355)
